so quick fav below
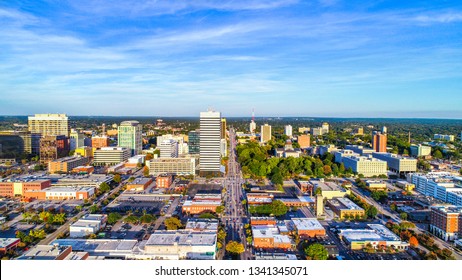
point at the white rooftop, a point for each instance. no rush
(202, 225)
(181, 237)
(307, 224)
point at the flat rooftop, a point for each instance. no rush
(326, 186)
(279, 238)
(99, 245)
(140, 181)
(44, 252)
(181, 237)
(261, 231)
(348, 204)
(202, 202)
(449, 209)
(68, 178)
(5, 242)
(68, 159)
(202, 224)
(92, 217)
(374, 232)
(86, 224)
(307, 224)
(68, 189)
(75, 256)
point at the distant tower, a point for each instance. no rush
(409, 138)
(379, 142)
(253, 125)
(384, 130)
(265, 135)
(104, 129)
(288, 130)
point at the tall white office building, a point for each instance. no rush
(288, 130)
(210, 142)
(168, 149)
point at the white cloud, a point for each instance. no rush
(447, 17)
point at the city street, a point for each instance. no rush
(235, 215)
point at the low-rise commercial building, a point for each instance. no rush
(87, 225)
(139, 184)
(259, 198)
(268, 237)
(202, 225)
(262, 221)
(66, 164)
(308, 227)
(202, 203)
(83, 169)
(299, 201)
(60, 193)
(345, 208)
(405, 186)
(17, 188)
(175, 166)
(376, 235)
(376, 185)
(135, 161)
(182, 244)
(8, 244)
(47, 252)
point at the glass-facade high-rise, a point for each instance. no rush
(194, 142)
(129, 136)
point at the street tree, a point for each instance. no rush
(172, 223)
(104, 187)
(316, 251)
(235, 247)
(117, 178)
(113, 217)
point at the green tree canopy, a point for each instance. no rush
(316, 251)
(113, 217)
(132, 219)
(104, 187)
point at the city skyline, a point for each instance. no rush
(284, 58)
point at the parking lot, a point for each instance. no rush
(121, 230)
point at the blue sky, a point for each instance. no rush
(328, 58)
